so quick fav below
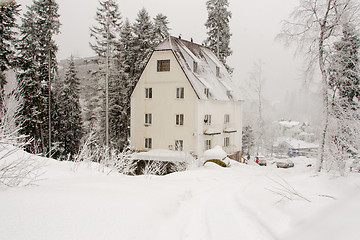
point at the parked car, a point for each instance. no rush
(260, 160)
(284, 164)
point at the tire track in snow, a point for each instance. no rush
(255, 219)
(202, 216)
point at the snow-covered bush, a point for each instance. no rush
(216, 155)
(16, 167)
(154, 168)
(122, 162)
(216, 161)
(108, 159)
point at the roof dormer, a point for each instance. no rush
(195, 67)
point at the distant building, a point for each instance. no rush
(294, 147)
(297, 130)
(185, 100)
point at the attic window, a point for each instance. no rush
(195, 67)
(207, 92)
(217, 71)
(228, 93)
(163, 65)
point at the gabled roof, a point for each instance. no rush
(220, 87)
(295, 144)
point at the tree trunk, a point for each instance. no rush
(324, 84)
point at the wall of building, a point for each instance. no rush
(163, 106)
(217, 110)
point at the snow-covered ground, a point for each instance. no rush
(240, 202)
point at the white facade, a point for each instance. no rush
(168, 111)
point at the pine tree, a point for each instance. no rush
(128, 81)
(107, 47)
(37, 62)
(144, 41)
(247, 139)
(92, 108)
(8, 12)
(127, 53)
(105, 33)
(344, 69)
(217, 24)
(68, 119)
(161, 28)
(344, 83)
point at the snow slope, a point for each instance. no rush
(240, 202)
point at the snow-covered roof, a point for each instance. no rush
(163, 155)
(220, 87)
(306, 134)
(288, 124)
(295, 143)
(230, 130)
(212, 131)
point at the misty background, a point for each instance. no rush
(254, 27)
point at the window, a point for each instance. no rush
(179, 145)
(180, 93)
(195, 67)
(207, 119)
(148, 143)
(226, 141)
(217, 71)
(148, 119)
(179, 119)
(228, 93)
(163, 65)
(148, 93)
(206, 91)
(226, 118)
(207, 144)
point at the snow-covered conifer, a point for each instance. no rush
(247, 140)
(120, 93)
(107, 46)
(144, 42)
(344, 69)
(218, 27)
(8, 12)
(68, 120)
(37, 62)
(108, 26)
(344, 83)
(161, 28)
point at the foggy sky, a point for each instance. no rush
(254, 25)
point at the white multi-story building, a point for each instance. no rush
(185, 100)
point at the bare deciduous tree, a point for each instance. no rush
(256, 83)
(314, 25)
